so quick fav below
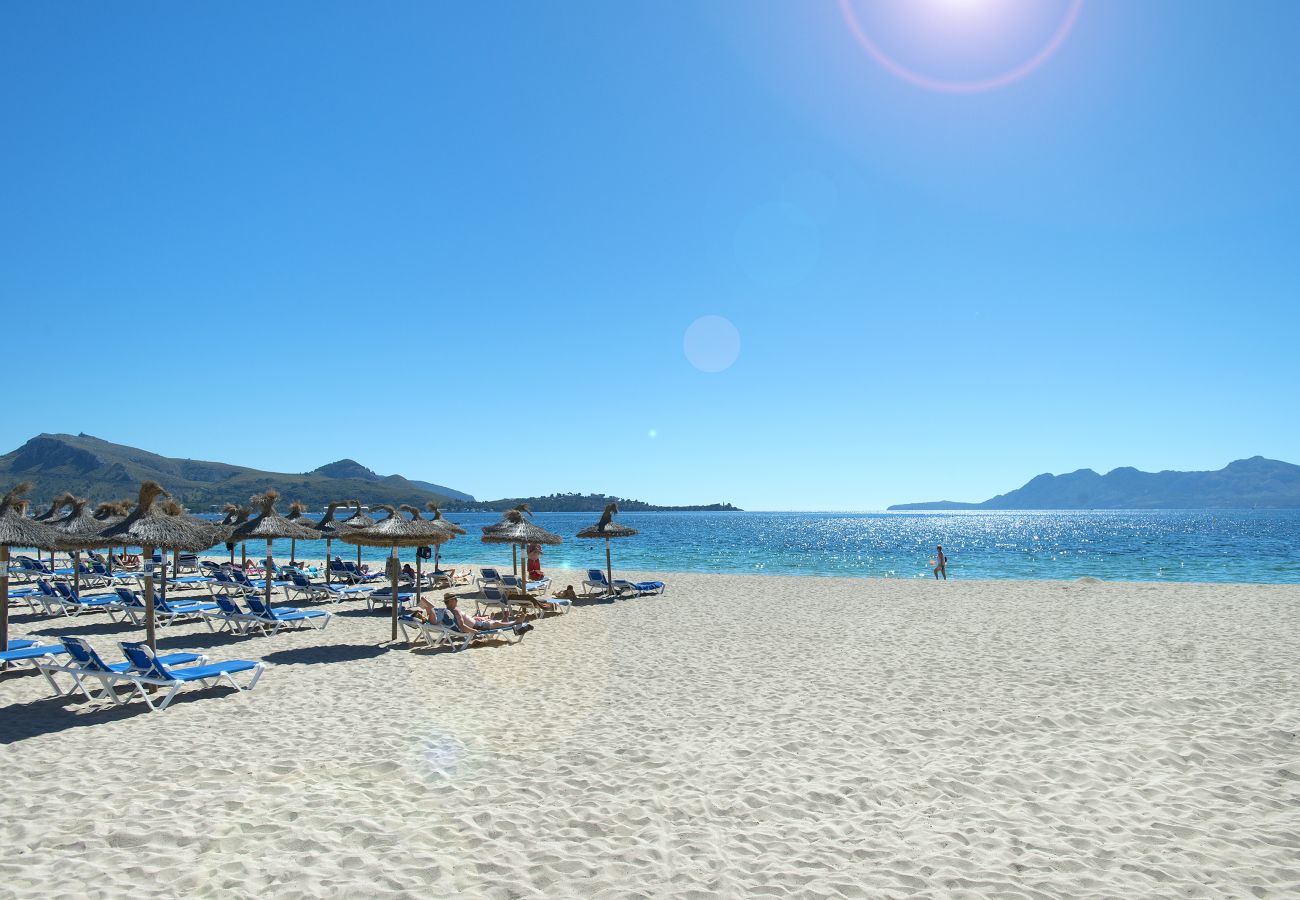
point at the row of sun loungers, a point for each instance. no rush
(142, 672)
(158, 679)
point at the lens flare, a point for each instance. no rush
(956, 31)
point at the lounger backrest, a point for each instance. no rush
(64, 591)
(257, 607)
(128, 596)
(81, 651)
(301, 580)
(596, 575)
(143, 661)
(510, 580)
(228, 606)
(490, 575)
(446, 619)
(492, 593)
(46, 589)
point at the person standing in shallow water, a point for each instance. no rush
(940, 564)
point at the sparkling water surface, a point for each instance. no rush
(1127, 545)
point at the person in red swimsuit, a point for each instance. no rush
(534, 562)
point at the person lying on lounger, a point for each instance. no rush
(470, 625)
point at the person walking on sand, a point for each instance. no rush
(940, 564)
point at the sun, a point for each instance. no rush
(960, 46)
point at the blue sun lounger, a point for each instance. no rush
(86, 664)
(148, 670)
(443, 631)
(167, 612)
(29, 655)
(286, 616)
(231, 616)
(596, 580)
(75, 604)
(640, 588)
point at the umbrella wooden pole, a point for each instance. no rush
(609, 568)
(266, 576)
(243, 556)
(514, 560)
(149, 635)
(394, 568)
(76, 575)
(327, 562)
(293, 550)
(358, 557)
(4, 596)
(419, 593)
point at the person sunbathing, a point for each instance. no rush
(471, 625)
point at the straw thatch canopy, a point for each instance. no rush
(296, 510)
(395, 531)
(112, 510)
(149, 526)
(328, 527)
(234, 517)
(78, 529)
(358, 519)
(57, 504)
(437, 517)
(607, 527)
(269, 525)
(16, 530)
(438, 531)
(514, 528)
(172, 508)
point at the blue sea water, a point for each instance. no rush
(1126, 545)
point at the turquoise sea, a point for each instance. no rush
(1164, 545)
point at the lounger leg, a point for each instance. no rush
(58, 691)
(168, 697)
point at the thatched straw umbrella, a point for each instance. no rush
(296, 510)
(439, 534)
(51, 514)
(268, 525)
(16, 530)
(607, 528)
(173, 508)
(393, 532)
(515, 529)
(329, 529)
(110, 513)
(235, 516)
(149, 528)
(455, 529)
(358, 519)
(79, 531)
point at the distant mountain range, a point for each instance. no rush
(94, 468)
(1244, 484)
(581, 503)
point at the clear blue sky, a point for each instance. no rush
(486, 228)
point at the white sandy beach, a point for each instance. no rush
(739, 736)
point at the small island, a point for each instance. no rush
(578, 503)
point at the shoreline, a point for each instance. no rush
(557, 573)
